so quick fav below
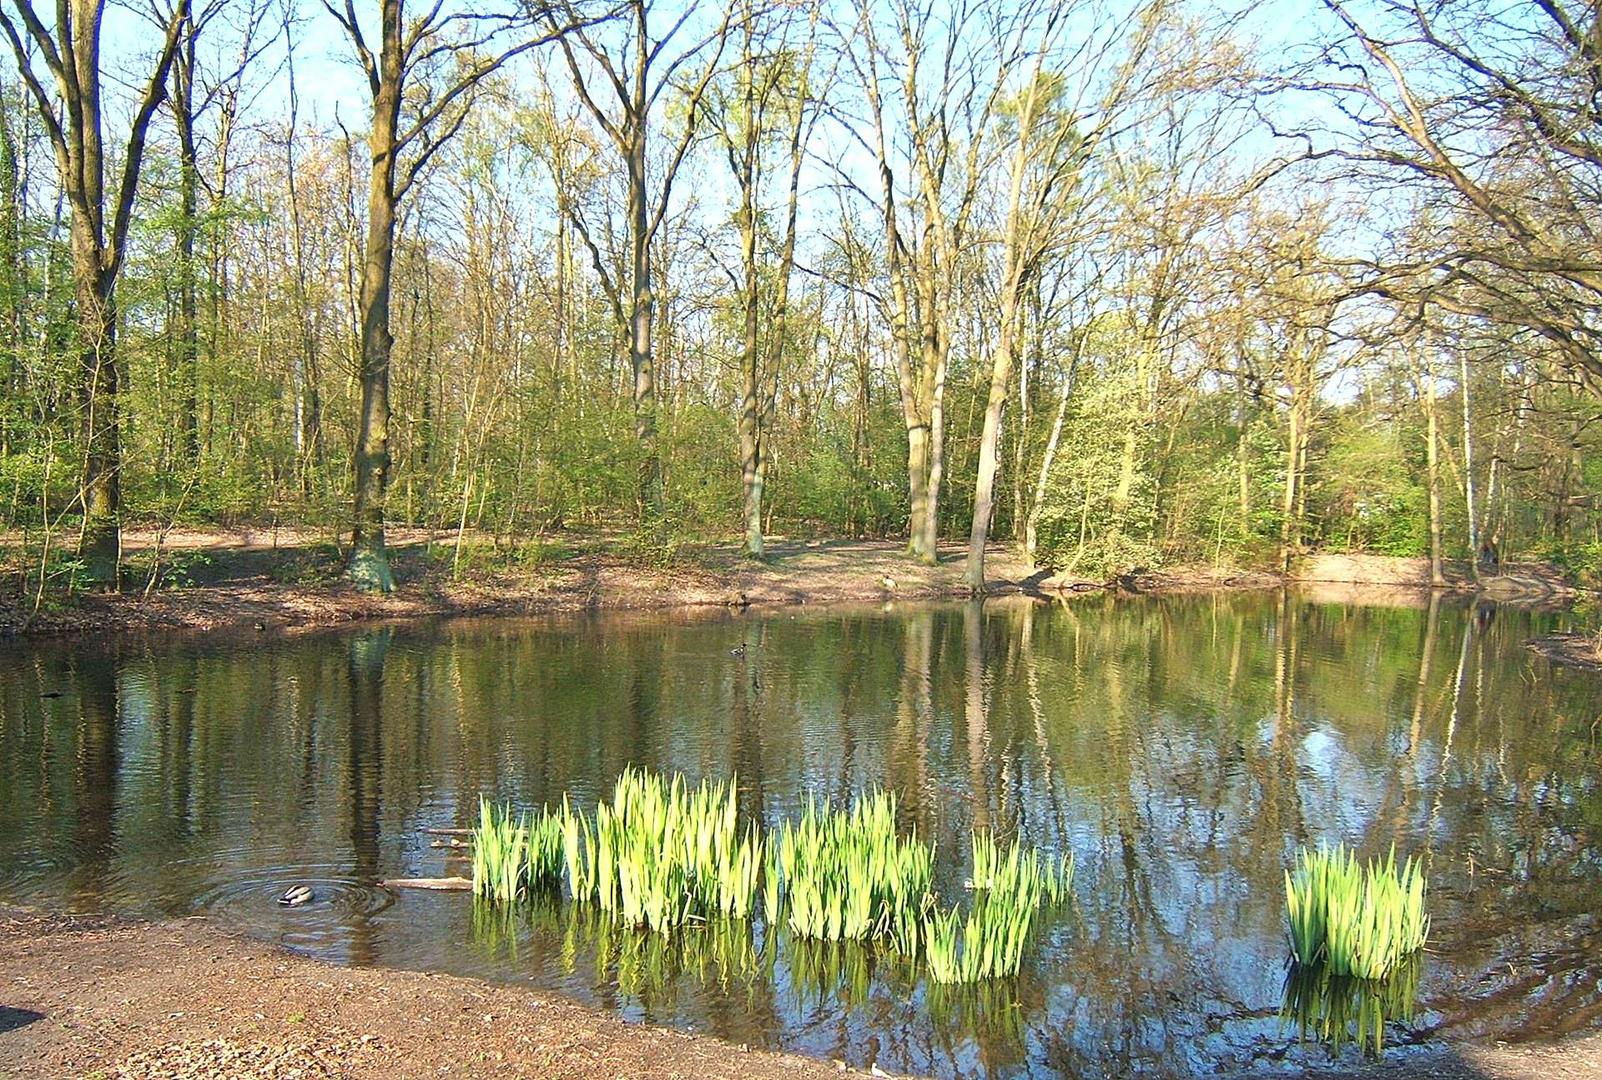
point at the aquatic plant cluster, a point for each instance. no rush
(662, 854)
(1355, 919)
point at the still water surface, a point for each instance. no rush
(1181, 747)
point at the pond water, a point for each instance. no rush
(1181, 747)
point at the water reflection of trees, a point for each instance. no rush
(1180, 746)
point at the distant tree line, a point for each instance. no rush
(1114, 283)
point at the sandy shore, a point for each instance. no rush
(103, 997)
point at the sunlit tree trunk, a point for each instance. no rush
(369, 556)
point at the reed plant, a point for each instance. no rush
(513, 856)
(1011, 884)
(848, 875)
(1354, 919)
(500, 853)
(662, 853)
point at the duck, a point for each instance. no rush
(296, 896)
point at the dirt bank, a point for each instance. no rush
(284, 582)
(90, 997)
(104, 997)
(1519, 582)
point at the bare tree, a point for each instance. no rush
(771, 95)
(946, 82)
(1491, 112)
(421, 80)
(623, 88)
(1053, 140)
(69, 52)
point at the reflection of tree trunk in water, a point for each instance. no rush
(1403, 781)
(973, 625)
(1037, 713)
(1234, 658)
(914, 710)
(364, 770)
(1451, 733)
(1432, 621)
(181, 741)
(1283, 771)
(745, 749)
(305, 706)
(95, 777)
(645, 699)
(1121, 755)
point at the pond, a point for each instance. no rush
(1181, 747)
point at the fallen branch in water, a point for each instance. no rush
(441, 883)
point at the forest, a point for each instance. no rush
(1118, 282)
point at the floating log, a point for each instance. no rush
(441, 883)
(447, 832)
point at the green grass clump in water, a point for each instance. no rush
(500, 853)
(514, 856)
(847, 875)
(1010, 885)
(1355, 920)
(662, 853)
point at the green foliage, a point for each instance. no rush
(848, 875)
(661, 855)
(1581, 560)
(1010, 886)
(1354, 919)
(1370, 493)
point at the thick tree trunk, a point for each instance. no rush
(100, 488)
(750, 359)
(186, 342)
(1289, 531)
(642, 361)
(927, 550)
(990, 437)
(1468, 462)
(369, 558)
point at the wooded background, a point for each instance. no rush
(1122, 283)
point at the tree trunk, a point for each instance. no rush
(1468, 462)
(641, 360)
(187, 339)
(989, 458)
(369, 558)
(100, 541)
(1432, 460)
(1289, 533)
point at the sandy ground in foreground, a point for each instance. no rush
(88, 997)
(103, 997)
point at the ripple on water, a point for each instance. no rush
(332, 925)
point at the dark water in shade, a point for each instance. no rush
(1181, 747)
